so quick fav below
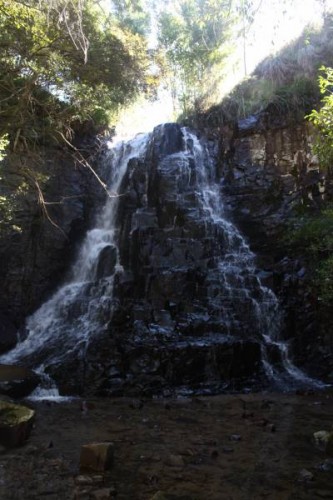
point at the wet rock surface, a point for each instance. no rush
(17, 381)
(35, 259)
(270, 174)
(179, 320)
(186, 309)
(176, 449)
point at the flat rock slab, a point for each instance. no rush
(15, 424)
(17, 381)
(97, 457)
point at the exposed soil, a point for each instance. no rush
(255, 446)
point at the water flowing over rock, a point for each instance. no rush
(164, 293)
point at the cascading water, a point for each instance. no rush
(238, 278)
(230, 303)
(80, 309)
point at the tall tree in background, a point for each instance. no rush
(194, 36)
(133, 15)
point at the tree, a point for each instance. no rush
(323, 120)
(63, 63)
(193, 35)
(133, 15)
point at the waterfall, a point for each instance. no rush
(80, 309)
(230, 305)
(238, 278)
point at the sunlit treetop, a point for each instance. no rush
(63, 61)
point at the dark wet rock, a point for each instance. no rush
(305, 476)
(96, 457)
(8, 333)
(34, 261)
(16, 381)
(16, 422)
(107, 261)
(326, 466)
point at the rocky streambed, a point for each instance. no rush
(247, 446)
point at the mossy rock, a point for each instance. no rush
(15, 424)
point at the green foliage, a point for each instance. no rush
(132, 15)
(323, 119)
(63, 62)
(314, 238)
(254, 95)
(193, 36)
(295, 99)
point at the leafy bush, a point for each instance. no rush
(313, 237)
(323, 120)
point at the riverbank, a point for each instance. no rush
(252, 446)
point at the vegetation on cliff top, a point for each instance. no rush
(63, 63)
(312, 234)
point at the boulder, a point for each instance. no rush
(106, 262)
(15, 424)
(17, 381)
(97, 457)
(324, 441)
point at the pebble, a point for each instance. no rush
(103, 494)
(235, 437)
(227, 449)
(85, 480)
(175, 461)
(326, 466)
(305, 476)
(136, 404)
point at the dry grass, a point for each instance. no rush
(285, 83)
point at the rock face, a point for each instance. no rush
(15, 424)
(271, 174)
(180, 319)
(16, 381)
(177, 306)
(36, 259)
(173, 298)
(8, 333)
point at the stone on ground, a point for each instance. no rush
(15, 424)
(96, 457)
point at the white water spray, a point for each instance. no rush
(81, 308)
